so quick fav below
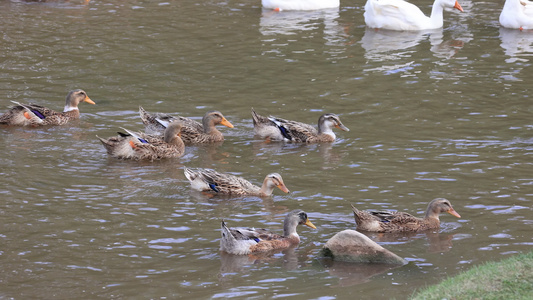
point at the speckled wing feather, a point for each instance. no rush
(299, 132)
(227, 183)
(47, 116)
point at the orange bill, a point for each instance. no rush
(308, 223)
(282, 187)
(88, 100)
(226, 123)
(27, 115)
(342, 127)
(458, 6)
(453, 213)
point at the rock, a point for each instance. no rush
(353, 246)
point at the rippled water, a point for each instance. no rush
(444, 113)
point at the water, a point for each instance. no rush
(444, 113)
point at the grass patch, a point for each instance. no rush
(511, 278)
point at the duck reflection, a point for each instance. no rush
(295, 22)
(383, 45)
(350, 274)
(437, 242)
(265, 150)
(240, 264)
(517, 44)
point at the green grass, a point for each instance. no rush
(511, 278)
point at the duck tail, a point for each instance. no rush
(190, 175)
(255, 116)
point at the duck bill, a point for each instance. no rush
(88, 100)
(226, 123)
(453, 213)
(458, 6)
(308, 223)
(283, 188)
(342, 127)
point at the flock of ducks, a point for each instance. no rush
(165, 136)
(402, 15)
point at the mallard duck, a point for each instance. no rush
(517, 14)
(402, 15)
(223, 183)
(396, 221)
(278, 129)
(36, 115)
(241, 241)
(192, 132)
(279, 5)
(136, 145)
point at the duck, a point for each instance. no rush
(395, 221)
(401, 15)
(244, 241)
(209, 180)
(140, 146)
(192, 132)
(35, 115)
(279, 5)
(517, 14)
(278, 129)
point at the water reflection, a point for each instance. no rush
(295, 22)
(350, 274)
(517, 44)
(239, 263)
(436, 242)
(383, 45)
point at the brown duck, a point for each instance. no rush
(278, 129)
(192, 132)
(140, 146)
(208, 180)
(242, 241)
(395, 221)
(36, 115)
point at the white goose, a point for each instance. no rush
(402, 15)
(517, 14)
(279, 5)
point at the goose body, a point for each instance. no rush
(517, 14)
(192, 132)
(37, 115)
(401, 15)
(278, 129)
(208, 180)
(394, 221)
(279, 5)
(140, 146)
(242, 241)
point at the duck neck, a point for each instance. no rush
(289, 229)
(325, 129)
(209, 127)
(173, 139)
(267, 188)
(437, 19)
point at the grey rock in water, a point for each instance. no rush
(352, 246)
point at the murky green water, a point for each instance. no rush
(440, 114)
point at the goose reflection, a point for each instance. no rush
(383, 45)
(517, 44)
(296, 22)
